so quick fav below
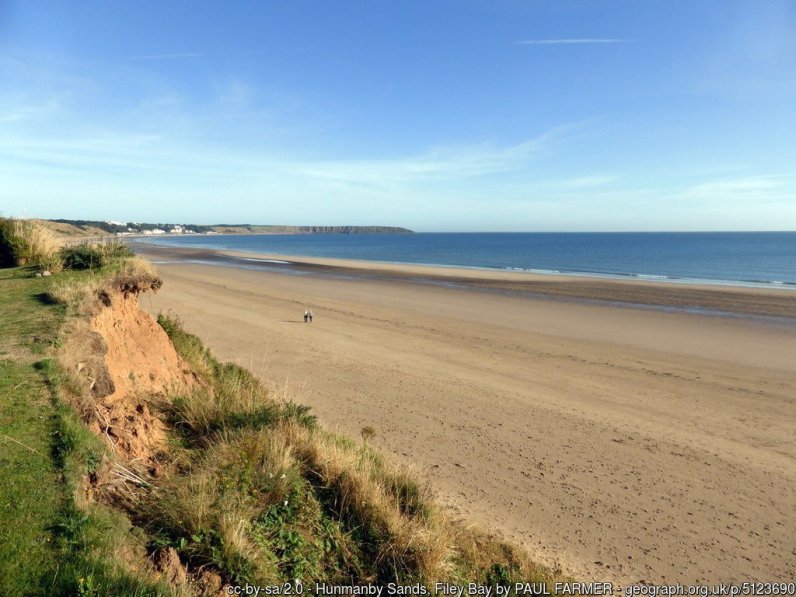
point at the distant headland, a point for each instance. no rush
(105, 227)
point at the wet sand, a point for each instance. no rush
(619, 443)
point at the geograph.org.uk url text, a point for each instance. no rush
(729, 589)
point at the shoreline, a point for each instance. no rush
(775, 305)
(668, 279)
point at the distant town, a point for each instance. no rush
(135, 228)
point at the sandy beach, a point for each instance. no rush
(648, 442)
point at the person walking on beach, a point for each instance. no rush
(306, 315)
(310, 315)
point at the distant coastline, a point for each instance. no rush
(92, 228)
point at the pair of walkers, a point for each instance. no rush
(307, 315)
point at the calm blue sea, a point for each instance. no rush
(759, 258)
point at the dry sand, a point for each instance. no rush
(618, 443)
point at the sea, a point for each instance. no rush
(761, 259)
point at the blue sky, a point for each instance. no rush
(495, 115)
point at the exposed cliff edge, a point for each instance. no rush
(125, 362)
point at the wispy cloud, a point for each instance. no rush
(16, 110)
(572, 41)
(452, 162)
(744, 185)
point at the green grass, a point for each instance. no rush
(28, 319)
(30, 495)
(29, 480)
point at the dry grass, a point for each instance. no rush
(395, 511)
(236, 399)
(27, 242)
(76, 293)
(135, 274)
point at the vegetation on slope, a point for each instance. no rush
(265, 495)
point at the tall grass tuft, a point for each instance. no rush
(26, 242)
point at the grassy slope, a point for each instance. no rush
(71, 231)
(48, 544)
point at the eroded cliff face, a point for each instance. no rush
(125, 363)
(139, 356)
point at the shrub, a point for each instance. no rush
(94, 255)
(82, 256)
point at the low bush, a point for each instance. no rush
(94, 255)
